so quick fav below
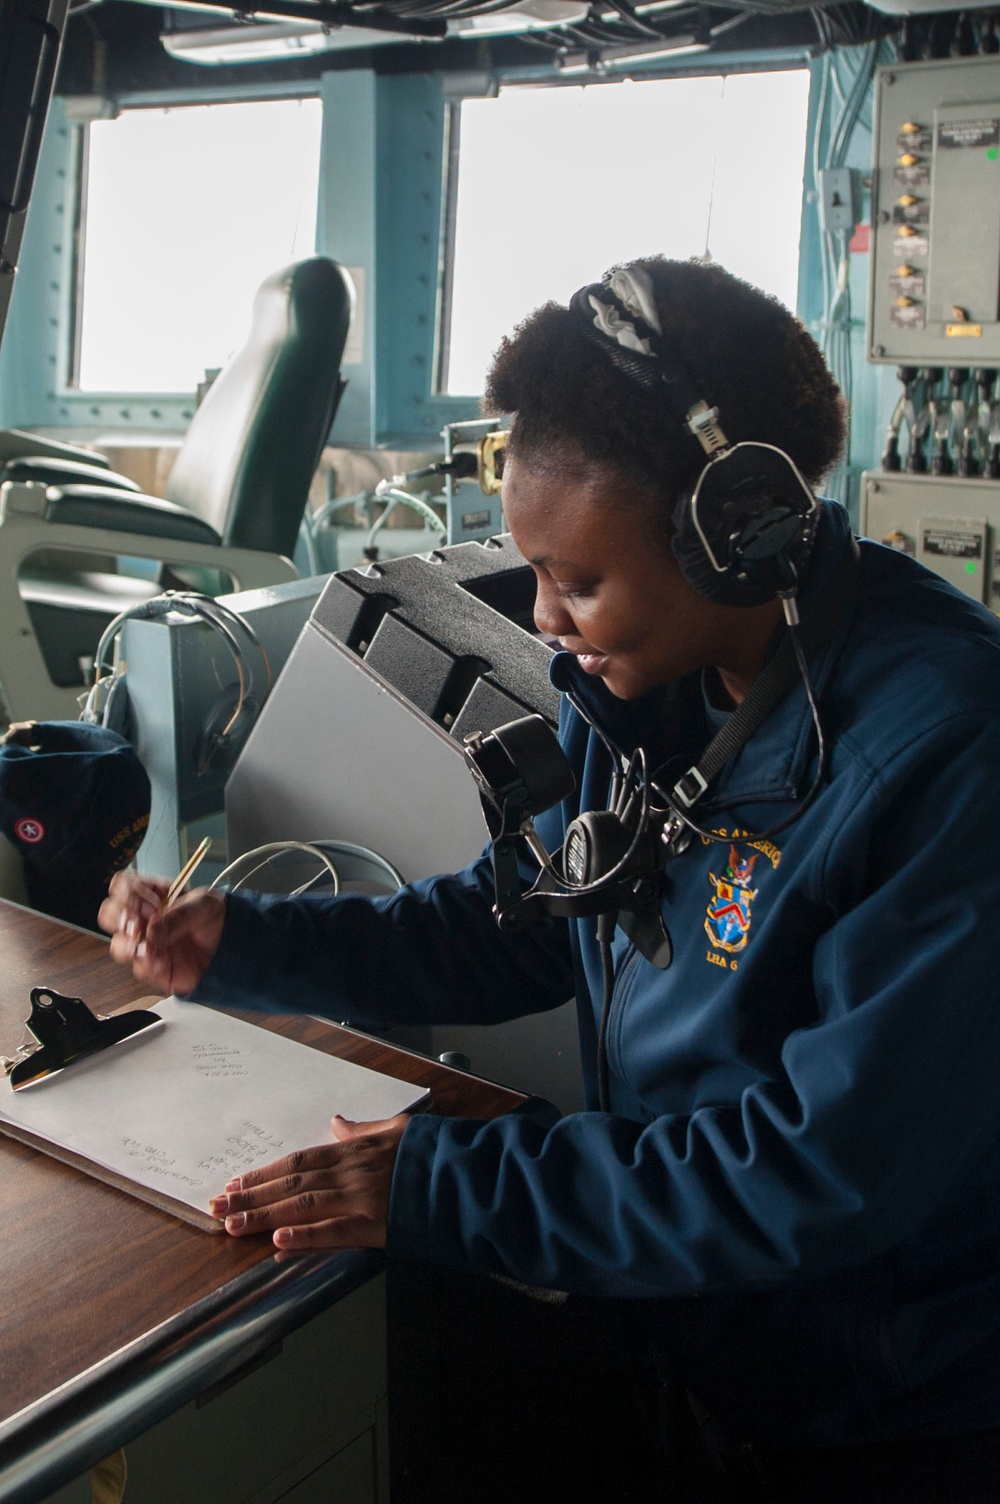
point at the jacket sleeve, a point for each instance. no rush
(883, 1115)
(431, 953)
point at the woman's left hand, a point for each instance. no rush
(332, 1196)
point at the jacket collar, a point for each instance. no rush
(630, 723)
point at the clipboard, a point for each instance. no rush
(68, 1032)
(178, 1109)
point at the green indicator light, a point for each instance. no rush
(970, 568)
(993, 152)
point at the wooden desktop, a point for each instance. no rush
(119, 1320)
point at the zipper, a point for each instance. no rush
(615, 1007)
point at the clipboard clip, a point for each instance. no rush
(67, 1031)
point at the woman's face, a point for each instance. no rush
(612, 592)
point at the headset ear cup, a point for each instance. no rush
(756, 514)
(720, 586)
(695, 564)
(117, 714)
(222, 739)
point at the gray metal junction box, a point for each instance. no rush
(934, 294)
(951, 524)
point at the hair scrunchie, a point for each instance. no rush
(619, 315)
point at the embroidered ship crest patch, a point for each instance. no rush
(727, 924)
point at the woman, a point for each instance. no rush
(789, 1161)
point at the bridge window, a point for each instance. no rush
(554, 185)
(184, 212)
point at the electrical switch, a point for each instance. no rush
(940, 422)
(963, 422)
(908, 159)
(904, 302)
(989, 423)
(905, 271)
(840, 196)
(910, 128)
(984, 384)
(906, 199)
(917, 422)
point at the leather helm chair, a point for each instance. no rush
(254, 443)
(234, 503)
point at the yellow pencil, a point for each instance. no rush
(181, 880)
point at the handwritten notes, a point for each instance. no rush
(180, 1109)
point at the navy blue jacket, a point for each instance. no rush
(798, 1185)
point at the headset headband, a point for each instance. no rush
(620, 316)
(743, 533)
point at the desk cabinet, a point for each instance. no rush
(305, 1424)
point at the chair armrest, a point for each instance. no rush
(125, 512)
(15, 443)
(45, 471)
(27, 527)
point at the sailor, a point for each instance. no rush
(789, 1162)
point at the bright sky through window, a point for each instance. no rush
(556, 185)
(187, 211)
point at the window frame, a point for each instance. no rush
(382, 213)
(52, 272)
(71, 333)
(712, 66)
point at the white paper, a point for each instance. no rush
(183, 1107)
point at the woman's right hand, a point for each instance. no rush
(171, 949)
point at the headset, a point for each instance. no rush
(336, 863)
(230, 719)
(742, 535)
(612, 861)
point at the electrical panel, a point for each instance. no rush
(950, 524)
(934, 297)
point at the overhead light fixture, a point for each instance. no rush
(603, 60)
(623, 57)
(83, 109)
(920, 7)
(527, 15)
(270, 41)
